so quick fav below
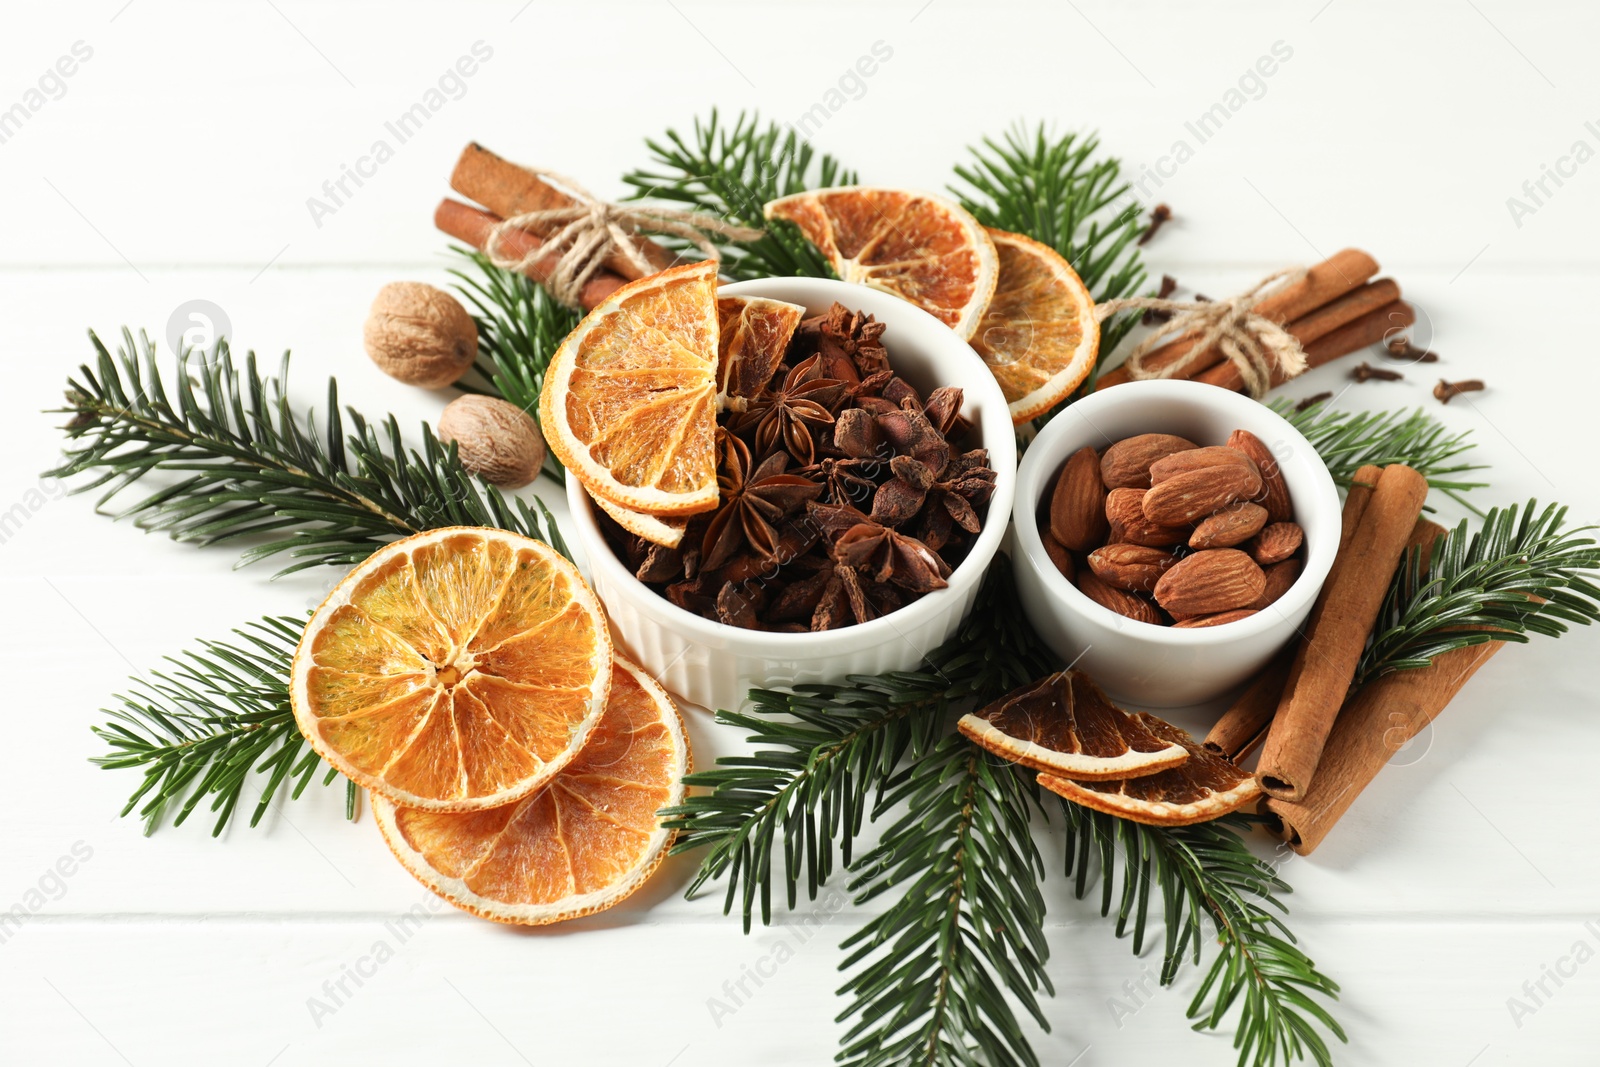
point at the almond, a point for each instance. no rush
(1215, 580)
(1276, 543)
(1119, 601)
(1131, 567)
(1126, 464)
(1192, 495)
(1200, 621)
(1059, 556)
(1198, 459)
(1078, 503)
(1274, 490)
(1125, 510)
(1280, 576)
(1228, 527)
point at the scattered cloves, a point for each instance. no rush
(1444, 391)
(1159, 216)
(1311, 401)
(1366, 372)
(1152, 317)
(1400, 347)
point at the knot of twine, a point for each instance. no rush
(591, 230)
(1253, 343)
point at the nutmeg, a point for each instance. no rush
(497, 441)
(420, 335)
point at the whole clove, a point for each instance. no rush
(1366, 372)
(1444, 391)
(1160, 215)
(1400, 347)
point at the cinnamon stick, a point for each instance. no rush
(1329, 280)
(1244, 725)
(1346, 609)
(468, 224)
(507, 189)
(1373, 726)
(1346, 325)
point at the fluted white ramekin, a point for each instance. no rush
(1162, 666)
(715, 665)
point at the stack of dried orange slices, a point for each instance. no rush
(466, 678)
(1093, 753)
(630, 398)
(1018, 302)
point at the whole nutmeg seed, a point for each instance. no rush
(497, 441)
(420, 335)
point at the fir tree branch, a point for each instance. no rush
(1348, 441)
(1205, 873)
(1062, 193)
(247, 466)
(200, 729)
(966, 929)
(520, 326)
(1517, 574)
(732, 171)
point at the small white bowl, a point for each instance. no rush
(1160, 666)
(715, 665)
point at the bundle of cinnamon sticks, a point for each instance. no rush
(1323, 743)
(1335, 309)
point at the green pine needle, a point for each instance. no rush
(1348, 441)
(199, 729)
(520, 326)
(239, 463)
(1061, 192)
(1520, 573)
(732, 172)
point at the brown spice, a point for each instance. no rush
(1160, 215)
(1366, 372)
(1444, 391)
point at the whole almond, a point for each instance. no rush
(1192, 495)
(1059, 556)
(1125, 510)
(1230, 526)
(1201, 621)
(1280, 576)
(1276, 543)
(1078, 503)
(1118, 600)
(1217, 579)
(1131, 567)
(1197, 459)
(1274, 490)
(1126, 464)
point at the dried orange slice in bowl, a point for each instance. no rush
(1065, 725)
(752, 338)
(582, 843)
(629, 399)
(920, 247)
(1038, 335)
(656, 529)
(457, 669)
(1204, 787)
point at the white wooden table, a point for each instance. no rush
(175, 163)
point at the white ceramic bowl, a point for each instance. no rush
(715, 665)
(1159, 666)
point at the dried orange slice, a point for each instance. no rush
(581, 844)
(457, 669)
(1204, 787)
(752, 337)
(923, 248)
(666, 531)
(1065, 725)
(629, 399)
(1038, 335)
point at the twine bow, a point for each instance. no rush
(592, 229)
(1252, 342)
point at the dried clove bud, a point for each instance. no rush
(1311, 401)
(1444, 391)
(1160, 215)
(1152, 317)
(1400, 347)
(1366, 372)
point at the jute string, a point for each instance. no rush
(1253, 343)
(592, 229)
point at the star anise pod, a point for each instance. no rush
(856, 434)
(901, 393)
(910, 433)
(886, 555)
(752, 502)
(943, 409)
(785, 415)
(953, 499)
(832, 520)
(845, 480)
(845, 335)
(900, 498)
(740, 605)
